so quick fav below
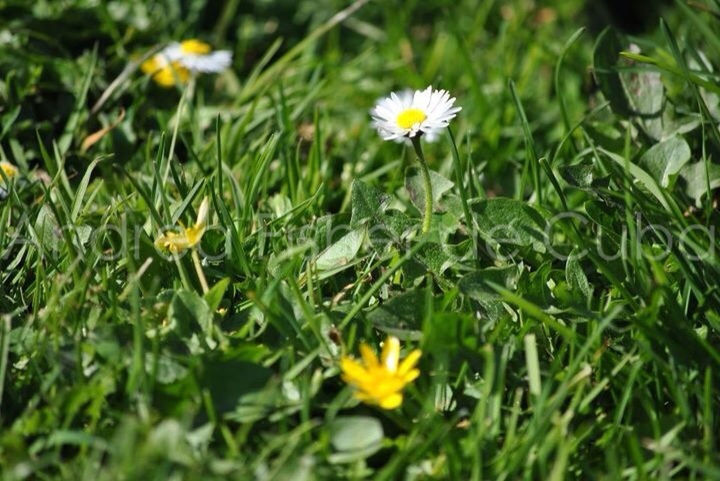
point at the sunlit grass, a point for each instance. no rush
(189, 269)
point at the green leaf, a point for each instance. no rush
(355, 438)
(394, 227)
(82, 188)
(646, 97)
(631, 93)
(8, 119)
(188, 308)
(477, 282)
(341, 252)
(402, 315)
(214, 296)
(280, 205)
(476, 286)
(47, 229)
(228, 380)
(641, 175)
(167, 370)
(665, 159)
(605, 57)
(576, 278)
(416, 187)
(578, 175)
(696, 178)
(510, 222)
(435, 257)
(367, 202)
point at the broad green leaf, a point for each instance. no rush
(188, 308)
(631, 93)
(646, 96)
(576, 278)
(578, 175)
(280, 204)
(510, 222)
(48, 230)
(416, 187)
(401, 315)
(665, 159)
(354, 438)
(228, 380)
(477, 282)
(476, 286)
(394, 226)
(641, 175)
(696, 178)
(167, 370)
(435, 257)
(367, 202)
(341, 252)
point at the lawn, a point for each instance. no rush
(212, 225)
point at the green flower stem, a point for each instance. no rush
(428, 184)
(199, 271)
(183, 274)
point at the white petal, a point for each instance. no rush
(172, 52)
(213, 62)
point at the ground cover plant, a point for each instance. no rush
(215, 267)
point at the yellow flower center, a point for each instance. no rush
(165, 74)
(409, 117)
(194, 47)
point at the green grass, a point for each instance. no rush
(566, 298)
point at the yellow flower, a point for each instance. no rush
(381, 382)
(177, 61)
(188, 237)
(8, 169)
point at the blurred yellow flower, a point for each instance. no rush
(8, 169)
(380, 382)
(188, 237)
(177, 61)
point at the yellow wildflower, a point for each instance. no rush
(188, 237)
(381, 382)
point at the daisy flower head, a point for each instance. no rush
(179, 60)
(410, 114)
(188, 237)
(381, 381)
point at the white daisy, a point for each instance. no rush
(197, 56)
(409, 114)
(178, 60)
